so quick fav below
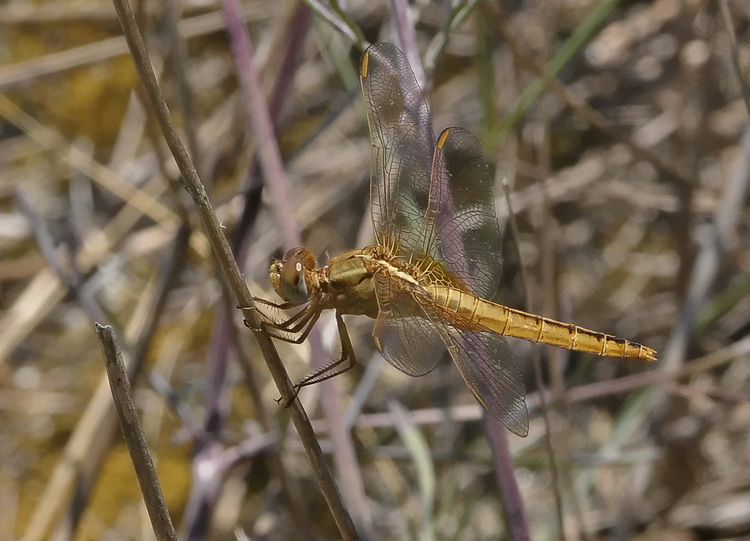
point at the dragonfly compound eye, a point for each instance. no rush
(292, 284)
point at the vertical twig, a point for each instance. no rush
(268, 152)
(270, 161)
(555, 433)
(726, 16)
(407, 40)
(230, 269)
(515, 513)
(134, 437)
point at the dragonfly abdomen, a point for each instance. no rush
(479, 313)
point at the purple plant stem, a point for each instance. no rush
(513, 508)
(407, 40)
(268, 151)
(270, 161)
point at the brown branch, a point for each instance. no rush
(132, 431)
(726, 16)
(230, 269)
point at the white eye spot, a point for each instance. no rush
(298, 267)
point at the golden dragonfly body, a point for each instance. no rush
(436, 260)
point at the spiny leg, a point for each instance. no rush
(302, 323)
(265, 318)
(277, 305)
(299, 322)
(336, 367)
(297, 327)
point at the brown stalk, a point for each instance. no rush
(230, 269)
(270, 161)
(726, 16)
(132, 430)
(98, 51)
(86, 448)
(515, 512)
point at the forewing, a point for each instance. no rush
(468, 235)
(402, 150)
(403, 332)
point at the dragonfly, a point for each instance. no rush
(435, 262)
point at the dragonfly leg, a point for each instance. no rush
(338, 366)
(295, 329)
(265, 317)
(277, 305)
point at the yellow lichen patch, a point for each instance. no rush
(116, 498)
(87, 101)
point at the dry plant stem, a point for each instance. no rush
(81, 160)
(726, 16)
(513, 508)
(346, 28)
(229, 268)
(293, 47)
(271, 163)
(146, 320)
(226, 325)
(422, 461)
(344, 455)
(724, 224)
(207, 477)
(134, 437)
(407, 41)
(453, 22)
(178, 59)
(499, 442)
(561, 470)
(585, 111)
(204, 489)
(69, 278)
(175, 403)
(268, 152)
(99, 51)
(705, 269)
(510, 494)
(43, 236)
(87, 447)
(154, 135)
(558, 429)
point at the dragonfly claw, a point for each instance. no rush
(260, 318)
(285, 403)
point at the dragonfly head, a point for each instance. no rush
(289, 276)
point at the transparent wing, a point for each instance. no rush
(430, 203)
(402, 150)
(468, 235)
(486, 363)
(403, 332)
(434, 205)
(468, 240)
(415, 332)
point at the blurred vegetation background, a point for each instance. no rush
(626, 167)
